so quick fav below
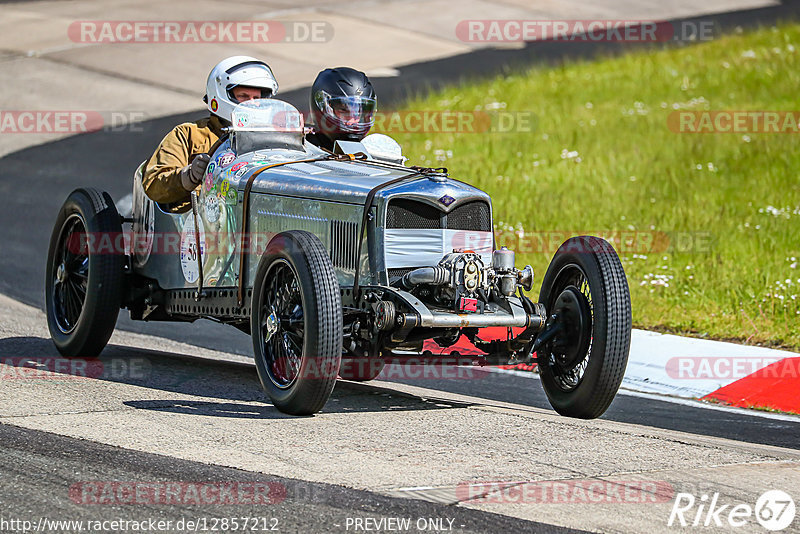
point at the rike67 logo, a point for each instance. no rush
(774, 510)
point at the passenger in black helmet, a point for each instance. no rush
(343, 105)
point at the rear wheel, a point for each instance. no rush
(296, 323)
(586, 289)
(84, 275)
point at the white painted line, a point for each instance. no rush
(685, 367)
(515, 372)
(674, 400)
(709, 406)
(654, 362)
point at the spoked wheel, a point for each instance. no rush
(83, 285)
(71, 279)
(585, 293)
(283, 324)
(296, 323)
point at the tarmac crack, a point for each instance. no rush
(118, 76)
(129, 406)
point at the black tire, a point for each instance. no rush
(361, 369)
(84, 275)
(582, 367)
(297, 350)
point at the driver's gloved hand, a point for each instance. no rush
(192, 174)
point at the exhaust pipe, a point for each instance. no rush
(425, 275)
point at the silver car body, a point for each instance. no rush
(326, 198)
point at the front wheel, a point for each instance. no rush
(296, 323)
(586, 291)
(84, 274)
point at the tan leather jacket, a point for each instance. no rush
(161, 179)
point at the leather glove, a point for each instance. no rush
(192, 174)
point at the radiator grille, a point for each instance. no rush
(470, 216)
(404, 213)
(344, 242)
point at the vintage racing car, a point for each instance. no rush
(329, 257)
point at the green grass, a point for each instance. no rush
(602, 159)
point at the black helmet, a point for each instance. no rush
(343, 104)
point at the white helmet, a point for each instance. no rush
(233, 71)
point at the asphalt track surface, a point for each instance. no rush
(38, 484)
(735, 425)
(35, 181)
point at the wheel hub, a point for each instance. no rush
(573, 313)
(272, 325)
(61, 273)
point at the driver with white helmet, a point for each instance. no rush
(177, 166)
